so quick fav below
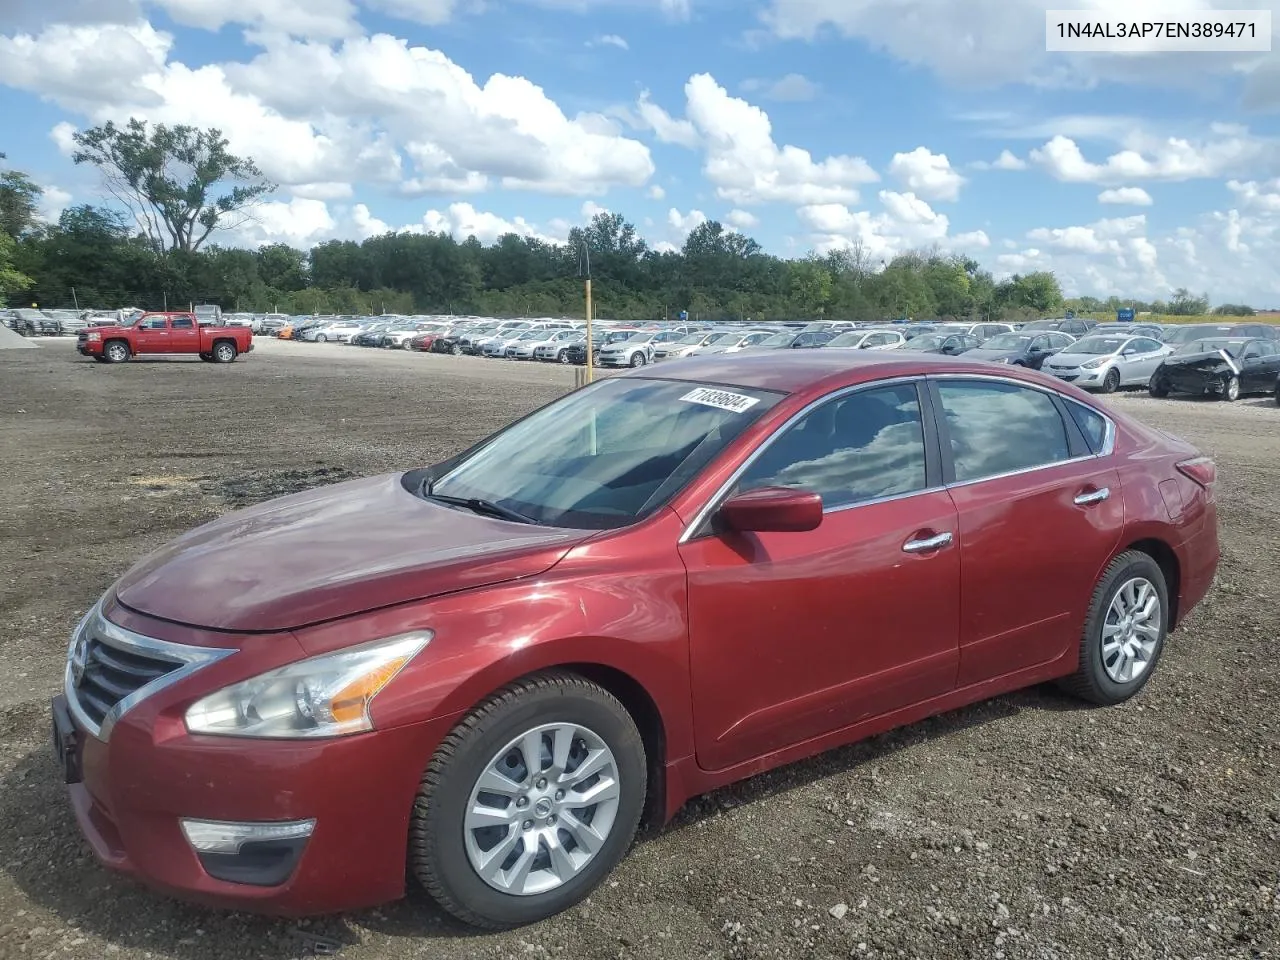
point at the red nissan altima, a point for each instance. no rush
(490, 670)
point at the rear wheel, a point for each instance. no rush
(529, 803)
(1111, 382)
(1124, 633)
(224, 351)
(116, 351)
(1232, 391)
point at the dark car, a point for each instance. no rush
(951, 344)
(1178, 334)
(1021, 349)
(793, 340)
(1226, 367)
(481, 674)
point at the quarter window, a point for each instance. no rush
(183, 323)
(1091, 424)
(999, 428)
(863, 446)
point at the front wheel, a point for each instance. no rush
(1158, 388)
(637, 359)
(456, 350)
(1124, 633)
(529, 803)
(224, 352)
(1232, 391)
(407, 345)
(1111, 382)
(321, 338)
(116, 351)
(563, 357)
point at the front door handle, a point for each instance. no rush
(1092, 496)
(926, 544)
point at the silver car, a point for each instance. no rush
(1107, 362)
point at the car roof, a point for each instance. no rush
(818, 371)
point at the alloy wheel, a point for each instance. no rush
(541, 809)
(1131, 630)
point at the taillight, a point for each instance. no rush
(1202, 470)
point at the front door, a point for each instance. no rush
(1040, 517)
(793, 635)
(152, 336)
(1261, 365)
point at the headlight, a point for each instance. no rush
(95, 336)
(1095, 364)
(326, 696)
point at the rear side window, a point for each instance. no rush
(1091, 424)
(864, 446)
(183, 323)
(999, 428)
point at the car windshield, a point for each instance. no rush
(1097, 346)
(1006, 341)
(777, 340)
(606, 455)
(851, 339)
(692, 338)
(640, 338)
(1189, 334)
(1213, 345)
(928, 341)
(732, 337)
(1041, 325)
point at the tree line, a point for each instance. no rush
(174, 189)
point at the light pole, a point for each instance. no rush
(584, 267)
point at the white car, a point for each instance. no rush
(342, 332)
(734, 341)
(866, 340)
(1108, 362)
(399, 335)
(554, 346)
(635, 351)
(686, 345)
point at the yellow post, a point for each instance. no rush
(590, 344)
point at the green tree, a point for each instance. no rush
(19, 199)
(1184, 304)
(179, 183)
(11, 279)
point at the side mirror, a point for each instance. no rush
(773, 510)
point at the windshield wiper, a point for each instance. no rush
(475, 504)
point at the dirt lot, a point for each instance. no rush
(1026, 827)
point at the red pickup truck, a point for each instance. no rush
(165, 333)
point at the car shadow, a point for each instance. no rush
(42, 852)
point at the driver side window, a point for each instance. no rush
(156, 323)
(863, 446)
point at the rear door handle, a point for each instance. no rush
(926, 544)
(1092, 496)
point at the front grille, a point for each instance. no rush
(111, 674)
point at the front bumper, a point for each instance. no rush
(1079, 375)
(131, 793)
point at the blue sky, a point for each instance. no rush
(809, 124)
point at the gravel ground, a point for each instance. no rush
(1025, 827)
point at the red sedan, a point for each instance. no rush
(493, 668)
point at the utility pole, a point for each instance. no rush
(586, 259)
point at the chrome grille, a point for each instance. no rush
(110, 670)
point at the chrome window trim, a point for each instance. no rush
(713, 502)
(188, 659)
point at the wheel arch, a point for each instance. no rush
(1166, 559)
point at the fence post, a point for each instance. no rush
(579, 377)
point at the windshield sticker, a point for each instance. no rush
(1231, 362)
(721, 399)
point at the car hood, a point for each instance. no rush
(1208, 362)
(980, 354)
(333, 552)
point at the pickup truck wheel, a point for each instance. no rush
(224, 351)
(529, 803)
(115, 351)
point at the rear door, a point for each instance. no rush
(1040, 516)
(1261, 365)
(184, 337)
(1139, 359)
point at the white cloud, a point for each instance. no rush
(1126, 196)
(319, 19)
(741, 219)
(1263, 197)
(428, 12)
(299, 222)
(793, 88)
(684, 223)
(53, 200)
(366, 224)
(907, 222)
(316, 113)
(1148, 158)
(612, 40)
(655, 192)
(462, 220)
(1006, 161)
(927, 174)
(742, 160)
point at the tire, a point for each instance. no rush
(1278, 393)
(563, 357)
(1232, 392)
(224, 351)
(321, 338)
(1099, 677)
(440, 854)
(456, 350)
(637, 359)
(1111, 382)
(116, 351)
(1158, 388)
(407, 345)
